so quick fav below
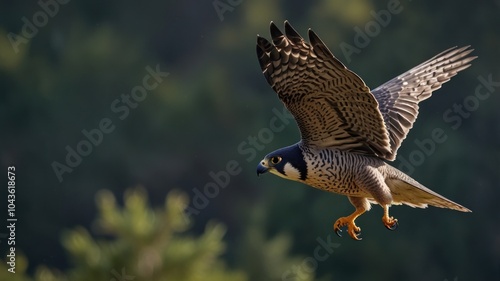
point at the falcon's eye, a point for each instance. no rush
(275, 160)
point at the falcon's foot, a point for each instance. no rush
(389, 222)
(352, 229)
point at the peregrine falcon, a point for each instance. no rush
(347, 130)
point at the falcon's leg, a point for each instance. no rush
(382, 194)
(389, 222)
(362, 205)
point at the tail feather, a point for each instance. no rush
(408, 191)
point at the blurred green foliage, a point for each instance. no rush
(65, 79)
(139, 243)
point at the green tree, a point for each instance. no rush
(138, 243)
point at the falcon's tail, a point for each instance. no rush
(408, 191)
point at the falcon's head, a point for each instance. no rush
(286, 162)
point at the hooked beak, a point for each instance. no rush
(261, 169)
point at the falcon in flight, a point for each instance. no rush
(347, 130)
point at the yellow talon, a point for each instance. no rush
(352, 228)
(389, 222)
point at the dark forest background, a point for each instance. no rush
(67, 68)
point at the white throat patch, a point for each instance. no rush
(291, 172)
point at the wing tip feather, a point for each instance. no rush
(275, 31)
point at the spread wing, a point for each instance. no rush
(398, 98)
(332, 106)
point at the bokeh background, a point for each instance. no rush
(98, 223)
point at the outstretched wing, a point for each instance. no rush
(332, 106)
(398, 98)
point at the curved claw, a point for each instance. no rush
(352, 229)
(355, 235)
(389, 222)
(393, 226)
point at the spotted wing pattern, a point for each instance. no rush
(331, 104)
(399, 97)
